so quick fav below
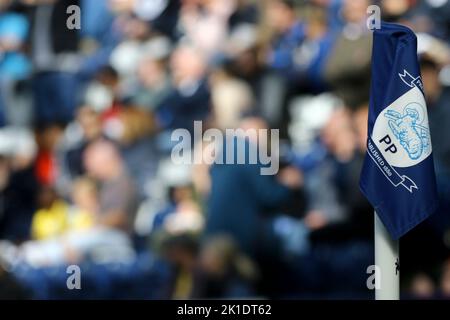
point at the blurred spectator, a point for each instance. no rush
(182, 215)
(348, 66)
(51, 218)
(243, 61)
(439, 112)
(55, 217)
(240, 195)
(153, 77)
(14, 65)
(85, 128)
(182, 252)
(188, 100)
(288, 32)
(103, 93)
(117, 195)
(245, 12)
(47, 138)
(19, 185)
(213, 15)
(223, 271)
(55, 59)
(439, 115)
(422, 287)
(231, 98)
(312, 54)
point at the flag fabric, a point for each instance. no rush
(398, 175)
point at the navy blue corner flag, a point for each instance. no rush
(398, 175)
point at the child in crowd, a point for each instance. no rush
(56, 217)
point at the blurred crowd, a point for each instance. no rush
(87, 178)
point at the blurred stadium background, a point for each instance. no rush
(86, 176)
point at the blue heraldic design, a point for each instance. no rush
(413, 137)
(398, 175)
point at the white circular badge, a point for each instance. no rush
(401, 131)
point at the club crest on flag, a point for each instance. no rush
(401, 137)
(401, 130)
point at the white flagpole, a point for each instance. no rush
(387, 261)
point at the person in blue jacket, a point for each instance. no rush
(240, 196)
